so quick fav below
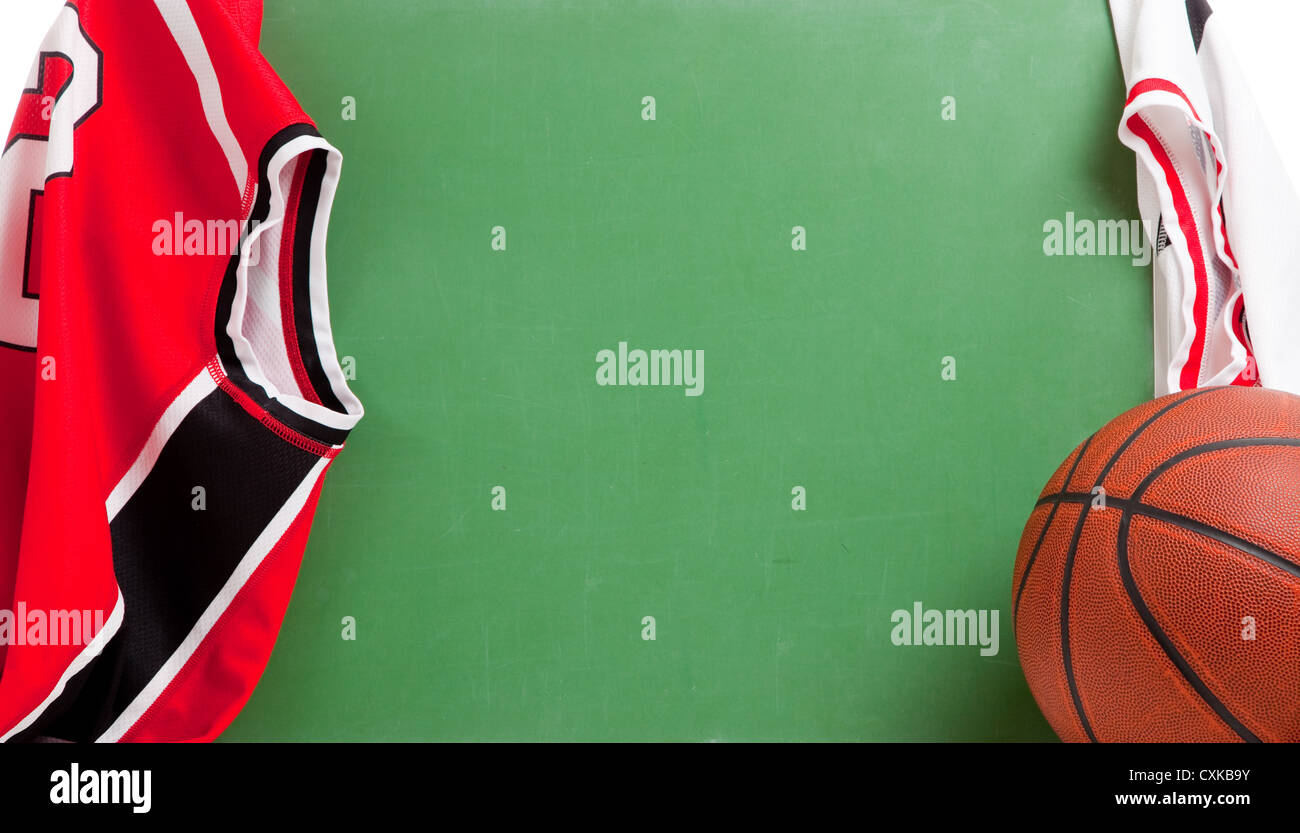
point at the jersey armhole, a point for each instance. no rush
(275, 345)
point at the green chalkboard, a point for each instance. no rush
(824, 365)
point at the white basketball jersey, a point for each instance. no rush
(1215, 200)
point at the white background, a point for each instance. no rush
(23, 24)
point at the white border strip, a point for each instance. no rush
(185, 31)
(320, 304)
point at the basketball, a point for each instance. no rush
(1156, 591)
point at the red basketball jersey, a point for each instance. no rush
(171, 395)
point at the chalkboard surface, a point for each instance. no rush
(845, 208)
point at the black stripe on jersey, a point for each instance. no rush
(304, 227)
(226, 299)
(30, 243)
(1198, 13)
(171, 560)
(303, 425)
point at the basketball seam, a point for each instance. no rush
(1067, 576)
(1033, 555)
(1162, 639)
(1186, 523)
(1207, 448)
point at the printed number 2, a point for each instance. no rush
(62, 91)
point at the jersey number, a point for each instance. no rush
(63, 89)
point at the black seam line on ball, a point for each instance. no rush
(1033, 556)
(1131, 587)
(1180, 662)
(1183, 522)
(1066, 578)
(1206, 448)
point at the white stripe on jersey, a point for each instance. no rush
(180, 21)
